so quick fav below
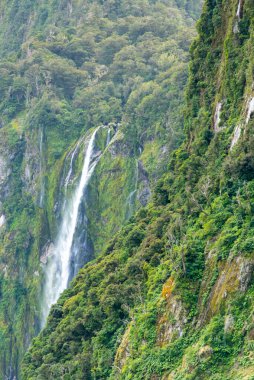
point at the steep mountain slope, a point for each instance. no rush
(172, 295)
(67, 67)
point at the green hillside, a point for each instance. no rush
(67, 67)
(171, 296)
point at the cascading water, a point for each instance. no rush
(238, 129)
(73, 155)
(59, 264)
(250, 110)
(238, 17)
(236, 136)
(239, 8)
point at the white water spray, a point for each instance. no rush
(237, 134)
(239, 8)
(69, 174)
(250, 110)
(58, 267)
(238, 16)
(238, 129)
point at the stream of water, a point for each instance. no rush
(58, 269)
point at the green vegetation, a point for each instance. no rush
(66, 67)
(171, 296)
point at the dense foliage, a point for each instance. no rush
(67, 66)
(171, 297)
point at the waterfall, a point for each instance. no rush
(239, 8)
(73, 155)
(237, 134)
(58, 268)
(250, 110)
(238, 129)
(238, 17)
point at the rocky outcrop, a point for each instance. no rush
(171, 324)
(144, 190)
(123, 352)
(235, 275)
(32, 164)
(2, 220)
(5, 171)
(47, 252)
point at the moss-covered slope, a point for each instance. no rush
(172, 295)
(67, 67)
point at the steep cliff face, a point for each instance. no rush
(67, 67)
(172, 295)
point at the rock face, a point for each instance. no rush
(245, 273)
(32, 164)
(217, 118)
(3, 170)
(144, 191)
(205, 352)
(47, 252)
(122, 353)
(229, 323)
(236, 136)
(235, 276)
(2, 220)
(171, 324)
